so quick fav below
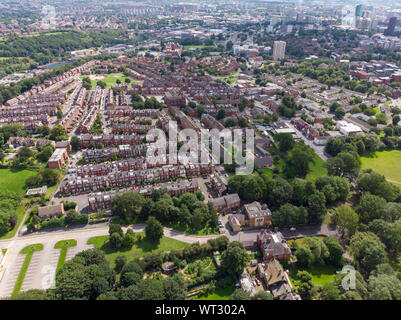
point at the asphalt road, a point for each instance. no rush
(41, 271)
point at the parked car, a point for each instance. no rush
(293, 229)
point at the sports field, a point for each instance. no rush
(387, 163)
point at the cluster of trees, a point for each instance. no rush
(26, 157)
(45, 177)
(188, 211)
(97, 127)
(331, 75)
(297, 203)
(149, 103)
(87, 83)
(288, 107)
(317, 251)
(9, 201)
(47, 47)
(118, 239)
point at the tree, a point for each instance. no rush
(344, 164)
(384, 287)
(129, 239)
(234, 258)
(50, 177)
(45, 154)
(368, 251)
(154, 230)
(120, 263)
(175, 287)
(221, 114)
(370, 207)
(116, 241)
(101, 84)
(58, 133)
(240, 294)
(115, 228)
(59, 114)
(285, 140)
(299, 158)
(304, 257)
(5, 224)
(346, 220)
(75, 143)
(317, 207)
(389, 233)
(86, 276)
(304, 284)
(335, 250)
(127, 205)
(339, 113)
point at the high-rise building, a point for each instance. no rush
(279, 50)
(391, 27)
(358, 10)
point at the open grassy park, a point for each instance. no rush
(14, 180)
(387, 163)
(140, 248)
(111, 79)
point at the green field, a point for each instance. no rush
(139, 249)
(317, 169)
(321, 274)
(64, 245)
(14, 180)
(218, 294)
(387, 163)
(112, 78)
(29, 250)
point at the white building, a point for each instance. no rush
(279, 50)
(347, 128)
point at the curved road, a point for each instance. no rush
(47, 259)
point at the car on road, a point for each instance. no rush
(293, 229)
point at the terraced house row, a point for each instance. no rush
(141, 163)
(108, 140)
(102, 200)
(74, 184)
(122, 111)
(122, 151)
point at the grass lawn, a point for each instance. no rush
(203, 232)
(140, 248)
(387, 163)
(14, 180)
(317, 169)
(321, 274)
(218, 294)
(112, 78)
(64, 245)
(29, 250)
